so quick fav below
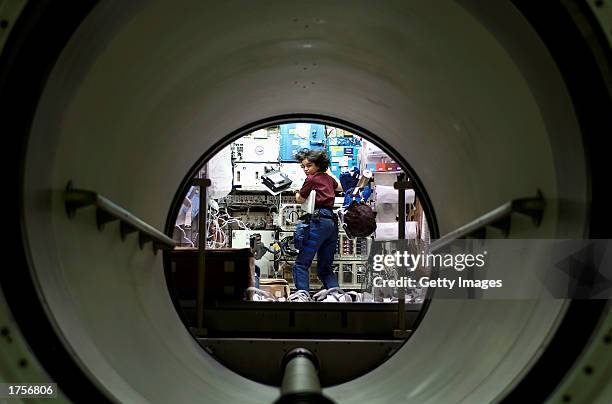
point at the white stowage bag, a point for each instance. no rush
(388, 194)
(219, 171)
(389, 231)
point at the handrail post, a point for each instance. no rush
(401, 186)
(202, 183)
(108, 211)
(498, 217)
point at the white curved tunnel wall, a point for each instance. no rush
(139, 94)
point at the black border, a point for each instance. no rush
(45, 26)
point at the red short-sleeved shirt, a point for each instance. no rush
(324, 185)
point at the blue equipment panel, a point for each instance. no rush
(291, 142)
(343, 153)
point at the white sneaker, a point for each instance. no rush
(332, 295)
(367, 297)
(258, 295)
(355, 296)
(317, 296)
(300, 296)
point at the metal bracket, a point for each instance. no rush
(125, 229)
(503, 224)
(102, 218)
(532, 207)
(74, 199)
(479, 233)
(144, 239)
(107, 211)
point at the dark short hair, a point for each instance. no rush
(301, 154)
(318, 157)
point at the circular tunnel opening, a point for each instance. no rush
(231, 316)
(516, 97)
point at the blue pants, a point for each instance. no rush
(321, 240)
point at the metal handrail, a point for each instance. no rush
(498, 217)
(108, 211)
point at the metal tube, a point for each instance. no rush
(300, 376)
(487, 218)
(80, 198)
(300, 379)
(533, 207)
